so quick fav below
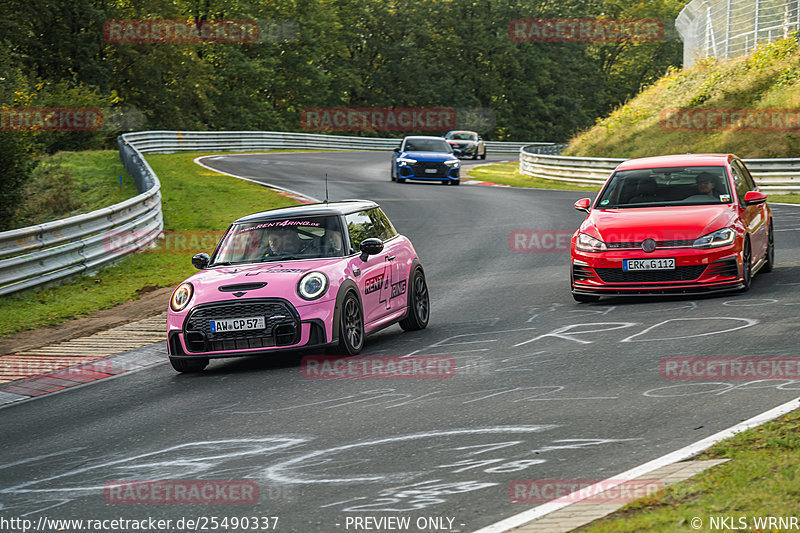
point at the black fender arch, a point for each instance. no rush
(348, 286)
(415, 264)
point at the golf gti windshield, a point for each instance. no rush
(702, 185)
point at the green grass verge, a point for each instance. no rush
(761, 479)
(198, 205)
(767, 79)
(71, 183)
(508, 174)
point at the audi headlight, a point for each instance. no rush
(587, 243)
(722, 237)
(454, 164)
(406, 160)
(181, 296)
(312, 285)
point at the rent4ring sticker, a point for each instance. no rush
(237, 324)
(664, 263)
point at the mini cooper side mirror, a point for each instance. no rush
(583, 204)
(370, 247)
(397, 149)
(200, 261)
(754, 198)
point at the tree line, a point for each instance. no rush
(455, 54)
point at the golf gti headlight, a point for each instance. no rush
(312, 285)
(181, 296)
(587, 243)
(406, 161)
(452, 163)
(722, 237)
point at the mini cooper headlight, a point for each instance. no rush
(452, 163)
(181, 296)
(587, 243)
(722, 237)
(312, 285)
(406, 160)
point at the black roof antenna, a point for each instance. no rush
(326, 187)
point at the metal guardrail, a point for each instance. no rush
(249, 141)
(48, 252)
(83, 243)
(771, 175)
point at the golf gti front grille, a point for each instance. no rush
(282, 325)
(681, 273)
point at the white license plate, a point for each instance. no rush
(664, 263)
(430, 170)
(238, 324)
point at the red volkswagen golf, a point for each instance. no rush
(685, 224)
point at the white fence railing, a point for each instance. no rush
(55, 250)
(771, 175)
(250, 141)
(725, 29)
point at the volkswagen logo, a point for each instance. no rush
(648, 245)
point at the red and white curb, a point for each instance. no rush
(67, 364)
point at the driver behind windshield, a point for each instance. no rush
(283, 241)
(707, 184)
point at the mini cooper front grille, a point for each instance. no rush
(421, 167)
(724, 268)
(659, 244)
(681, 273)
(282, 325)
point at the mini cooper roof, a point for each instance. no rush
(687, 160)
(321, 209)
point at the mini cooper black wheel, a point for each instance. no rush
(419, 305)
(351, 326)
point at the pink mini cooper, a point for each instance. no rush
(307, 277)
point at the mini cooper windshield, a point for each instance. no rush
(670, 186)
(280, 240)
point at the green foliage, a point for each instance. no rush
(15, 166)
(345, 53)
(766, 80)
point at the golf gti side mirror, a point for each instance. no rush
(754, 198)
(583, 204)
(200, 261)
(371, 246)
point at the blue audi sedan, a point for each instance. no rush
(426, 159)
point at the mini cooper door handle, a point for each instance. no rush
(391, 258)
